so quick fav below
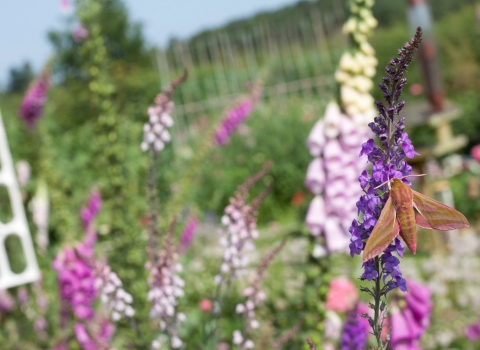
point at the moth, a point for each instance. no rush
(404, 210)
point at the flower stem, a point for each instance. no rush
(377, 327)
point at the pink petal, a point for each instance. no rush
(316, 216)
(316, 139)
(315, 179)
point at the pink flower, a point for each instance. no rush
(475, 153)
(80, 33)
(342, 295)
(206, 305)
(411, 322)
(316, 214)
(188, 234)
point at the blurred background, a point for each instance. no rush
(106, 60)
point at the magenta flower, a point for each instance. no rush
(34, 100)
(188, 234)
(76, 281)
(89, 212)
(237, 115)
(411, 322)
(233, 119)
(473, 331)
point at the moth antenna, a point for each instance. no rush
(383, 184)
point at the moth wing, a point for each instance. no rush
(433, 214)
(383, 233)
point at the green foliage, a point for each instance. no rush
(90, 136)
(19, 78)
(275, 132)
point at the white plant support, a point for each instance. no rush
(17, 226)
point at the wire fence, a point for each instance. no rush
(300, 56)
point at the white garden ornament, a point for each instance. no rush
(16, 226)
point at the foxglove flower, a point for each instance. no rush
(331, 176)
(76, 281)
(357, 66)
(235, 116)
(473, 331)
(355, 330)
(240, 230)
(388, 162)
(166, 287)
(410, 322)
(24, 171)
(188, 234)
(113, 296)
(254, 296)
(91, 210)
(34, 100)
(40, 208)
(94, 336)
(155, 131)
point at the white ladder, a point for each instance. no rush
(17, 226)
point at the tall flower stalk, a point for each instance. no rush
(155, 137)
(255, 296)
(237, 239)
(388, 162)
(165, 284)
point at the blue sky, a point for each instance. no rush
(24, 23)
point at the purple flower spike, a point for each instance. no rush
(355, 330)
(387, 159)
(232, 120)
(91, 210)
(188, 234)
(34, 100)
(238, 114)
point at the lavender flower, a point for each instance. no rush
(237, 238)
(355, 330)
(235, 116)
(410, 322)
(34, 100)
(254, 296)
(165, 289)
(388, 162)
(188, 234)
